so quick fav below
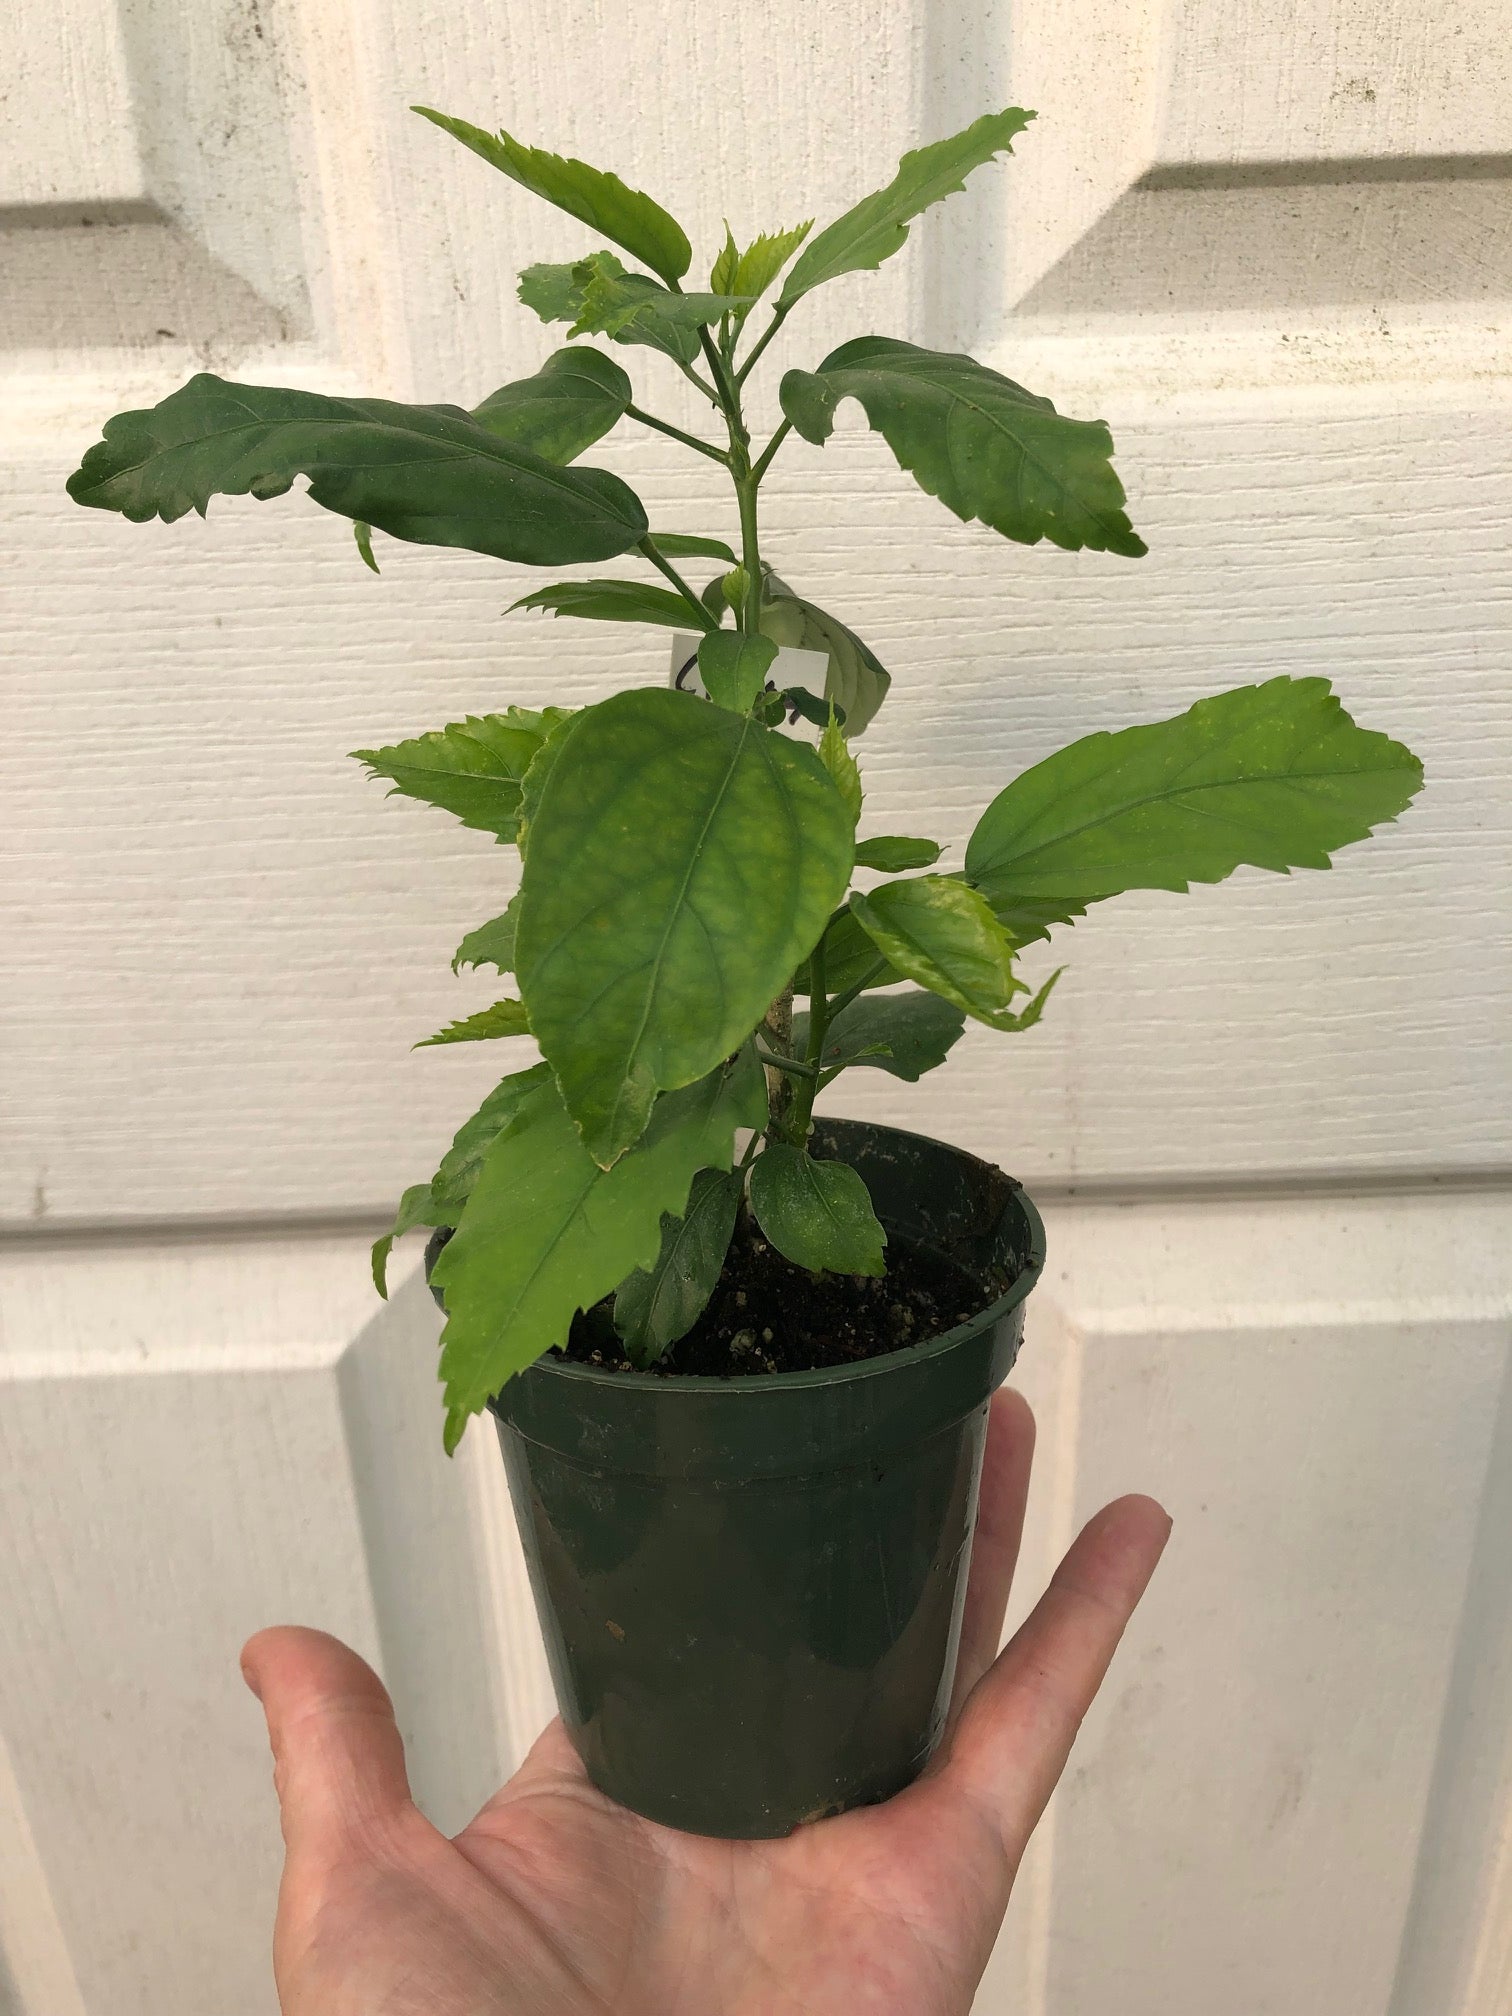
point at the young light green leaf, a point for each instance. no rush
(878, 225)
(571, 402)
(546, 1231)
(752, 271)
(430, 474)
(984, 446)
(599, 297)
(692, 546)
(601, 201)
(894, 853)
(856, 681)
(1275, 776)
(471, 768)
(363, 534)
(905, 1034)
(943, 934)
(817, 1214)
(417, 1207)
(502, 1018)
(681, 860)
(654, 1307)
(492, 944)
(835, 755)
(613, 602)
(452, 1183)
(734, 667)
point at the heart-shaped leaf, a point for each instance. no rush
(429, 474)
(680, 861)
(817, 1214)
(971, 437)
(734, 667)
(598, 199)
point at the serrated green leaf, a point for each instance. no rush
(501, 1018)
(752, 271)
(599, 297)
(417, 1207)
(817, 1214)
(1027, 918)
(612, 602)
(571, 402)
(598, 199)
(472, 768)
(835, 755)
(905, 1034)
(692, 546)
(1275, 776)
(734, 667)
(429, 474)
(363, 534)
(546, 1231)
(877, 226)
(893, 853)
(452, 1183)
(681, 861)
(943, 934)
(857, 681)
(654, 1307)
(984, 446)
(491, 944)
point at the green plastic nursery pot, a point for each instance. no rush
(751, 1588)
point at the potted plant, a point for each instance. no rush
(739, 1357)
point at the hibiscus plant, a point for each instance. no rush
(687, 850)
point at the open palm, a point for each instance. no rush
(556, 1900)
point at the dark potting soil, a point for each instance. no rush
(767, 1315)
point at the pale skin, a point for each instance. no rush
(556, 1902)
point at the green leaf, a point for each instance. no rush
(417, 1207)
(599, 297)
(1026, 918)
(905, 1034)
(681, 861)
(692, 546)
(835, 755)
(943, 934)
(856, 681)
(471, 768)
(893, 853)
(503, 1018)
(612, 602)
(752, 271)
(817, 1214)
(1275, 776)
(850, 959)
(573, 400)
(971, 437)
(878, 226)
(492, 944)
(546, 1231)
(453, 1182)
(363, 534)
(654, 1307)
(734, 667)
(599, 200)
(430, 474)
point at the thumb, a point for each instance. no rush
(338, 1758)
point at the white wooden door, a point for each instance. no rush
(1269, 241)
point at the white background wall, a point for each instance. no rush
(1267, 243)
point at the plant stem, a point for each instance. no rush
(795, 1067)
(659, 560)
(677, 434)
(779, 316)
(777, 1026)
(763, 460)
(800, 1113)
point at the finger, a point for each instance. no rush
(338, 1759)
(995, 1543)
(1017, 1728)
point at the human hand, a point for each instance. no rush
(554, 1901)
